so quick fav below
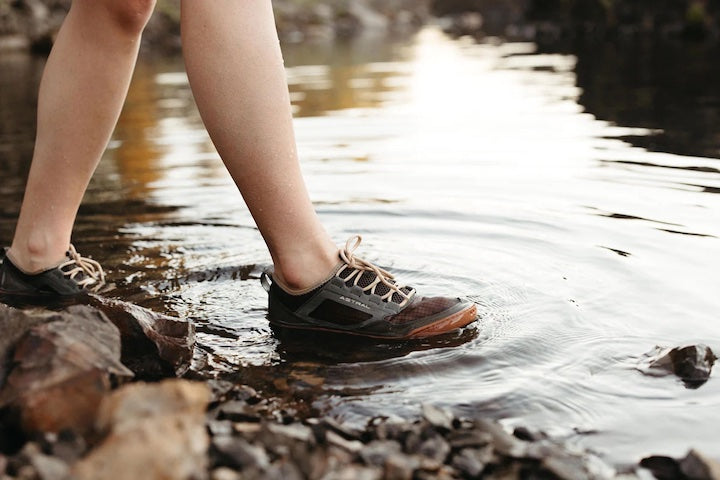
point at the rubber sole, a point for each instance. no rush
(19, 300)
(444, 325)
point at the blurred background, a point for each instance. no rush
(556, 161)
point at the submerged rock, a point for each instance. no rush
(152, 431)
(692, 364)
(62, 367)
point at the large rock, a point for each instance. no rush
(154, 346)
(62, 367)
(152, 431)
(14, 324)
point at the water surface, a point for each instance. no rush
(573, 198)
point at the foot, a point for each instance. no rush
(72, 277)
(359, 298)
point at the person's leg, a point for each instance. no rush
(82, 91)
(236, 72)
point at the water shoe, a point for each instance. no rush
(73, 277)
(359, 298)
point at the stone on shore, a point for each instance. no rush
(154, 345)
(152, 431)
(62, 367)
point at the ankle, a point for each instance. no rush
(36, 254)
(307, 269)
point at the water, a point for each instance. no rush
(571, 193)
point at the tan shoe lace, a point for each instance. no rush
(382, 276)
(91, 275)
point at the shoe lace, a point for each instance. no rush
(86, 272)
(382, 277)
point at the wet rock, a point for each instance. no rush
(224, 473)
(154, 346)
(697, 466)
(459, 439)
(238, 453)
(352, 446)
(14, 324)
(33, 463)
(503, 442)
(566, 467)
(354, 472)
(435, 448)
(663, 468)
(471, 462)
(220, 427)
(62, 369)
(377, 452)
(331, 424)
(437, 417)
(383, 429)
(401, 467)
(238, 411)
(153, 431)
(65, 445)
(692, 364)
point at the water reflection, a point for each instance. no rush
(507, 173)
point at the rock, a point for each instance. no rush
(566, 467)
(14, 324)
(400, 467)
(63, 367)
(154, 345)
(238, 453)
(67, 446)
(435, 448)
(692, 364)
(224, 473)
(503, 442)
(377, 452)
(437, 417)
(697, 466)
(352, 446)
(347, 433)
(152, 431)
(50, 468)
(354, 472)
(238, 411)
(471, 462)
(460, 439)
(663, 468)
(286, 435)
(220, 427)
(37, 465)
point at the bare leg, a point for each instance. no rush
(82, 91)
(236, 71)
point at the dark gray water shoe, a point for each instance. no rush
(362, 299)
(73, 277)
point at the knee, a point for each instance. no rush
(130, 16)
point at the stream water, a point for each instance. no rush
(572, 193)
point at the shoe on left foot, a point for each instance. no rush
(359, 298)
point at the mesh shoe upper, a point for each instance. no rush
(73, 276)
(363, 299)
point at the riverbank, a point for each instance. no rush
(72, 406)
(33, 24)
